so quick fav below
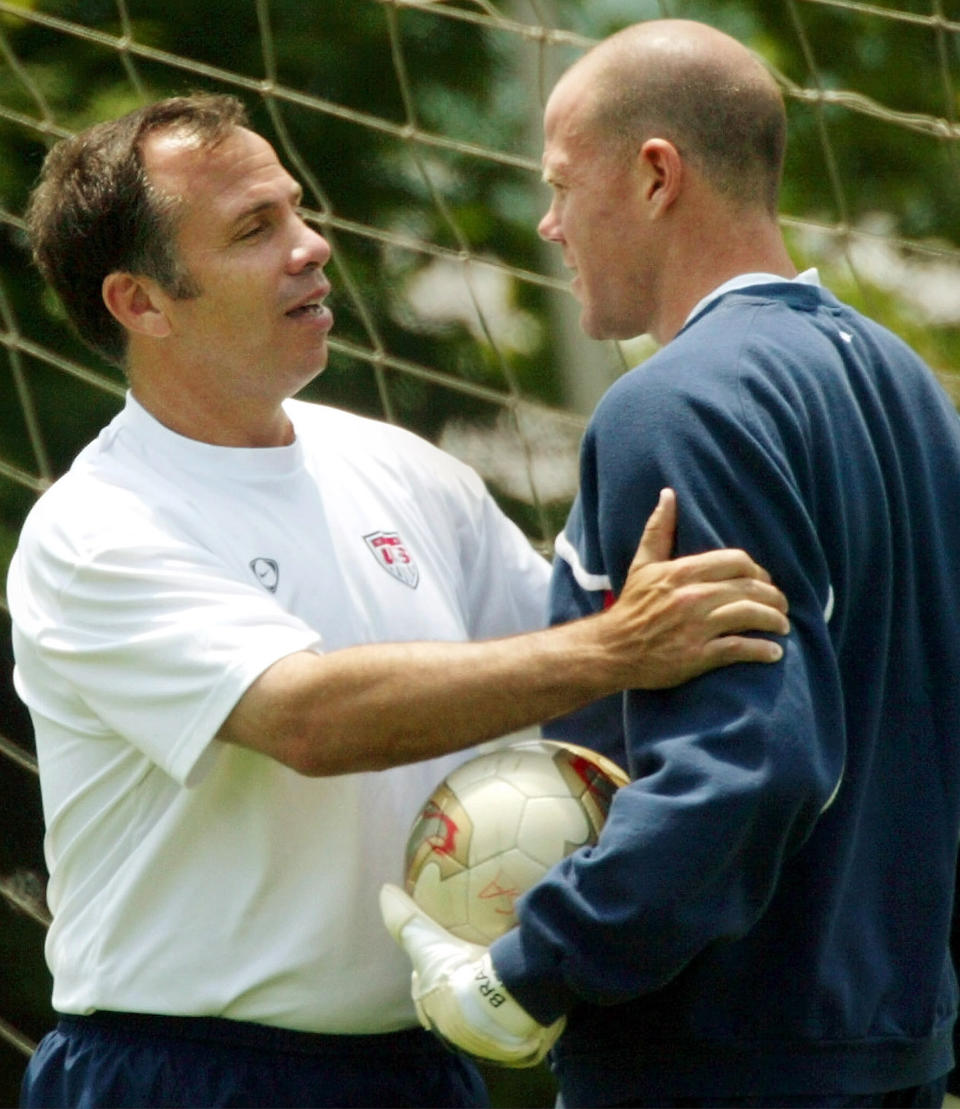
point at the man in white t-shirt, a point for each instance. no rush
(254, 633)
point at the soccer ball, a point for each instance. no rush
(495, 825)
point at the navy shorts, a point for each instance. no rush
(133, 1060)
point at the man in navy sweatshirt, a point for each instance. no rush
(765, 919)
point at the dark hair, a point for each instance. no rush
(95, 212)
(729, 122)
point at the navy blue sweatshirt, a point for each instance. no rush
(768, 909)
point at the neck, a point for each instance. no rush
(198, 412)
(720, 250)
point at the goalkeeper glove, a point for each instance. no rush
(458, 993)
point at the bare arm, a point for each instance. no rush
(380, 705)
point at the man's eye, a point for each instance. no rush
(252, 232)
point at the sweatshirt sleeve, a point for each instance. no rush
(730, 771)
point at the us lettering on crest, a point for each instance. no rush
(388, 549)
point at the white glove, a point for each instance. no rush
(458, 993)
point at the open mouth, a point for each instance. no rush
(314, 308)
(312, 305)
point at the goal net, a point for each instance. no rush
(414, 127)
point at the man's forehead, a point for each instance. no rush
(568, 136)
(172, 150)
(183, 163)
(570, 106)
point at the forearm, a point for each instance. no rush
(379, 705)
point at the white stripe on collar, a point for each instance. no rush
(745, 280)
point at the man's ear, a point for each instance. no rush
(137, 303)
(661, 172)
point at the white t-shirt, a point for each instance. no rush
(152, 584)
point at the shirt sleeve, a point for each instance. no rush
(576, 591)
(730, 771)
(505, 580)
(151, 641)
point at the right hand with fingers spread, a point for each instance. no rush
(687, 615)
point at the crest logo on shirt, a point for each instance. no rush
(267, 572)
(388, 549)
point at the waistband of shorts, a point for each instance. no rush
(248, 1034)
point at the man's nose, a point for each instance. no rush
(549, 227)
(311, 249)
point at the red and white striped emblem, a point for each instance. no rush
(388, 549)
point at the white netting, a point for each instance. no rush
(414, 128)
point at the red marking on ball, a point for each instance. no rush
(443, 840)
(493, 890)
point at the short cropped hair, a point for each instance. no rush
(732, 126)
(95, 212)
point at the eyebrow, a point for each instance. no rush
(295, 193)
(551, 169)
